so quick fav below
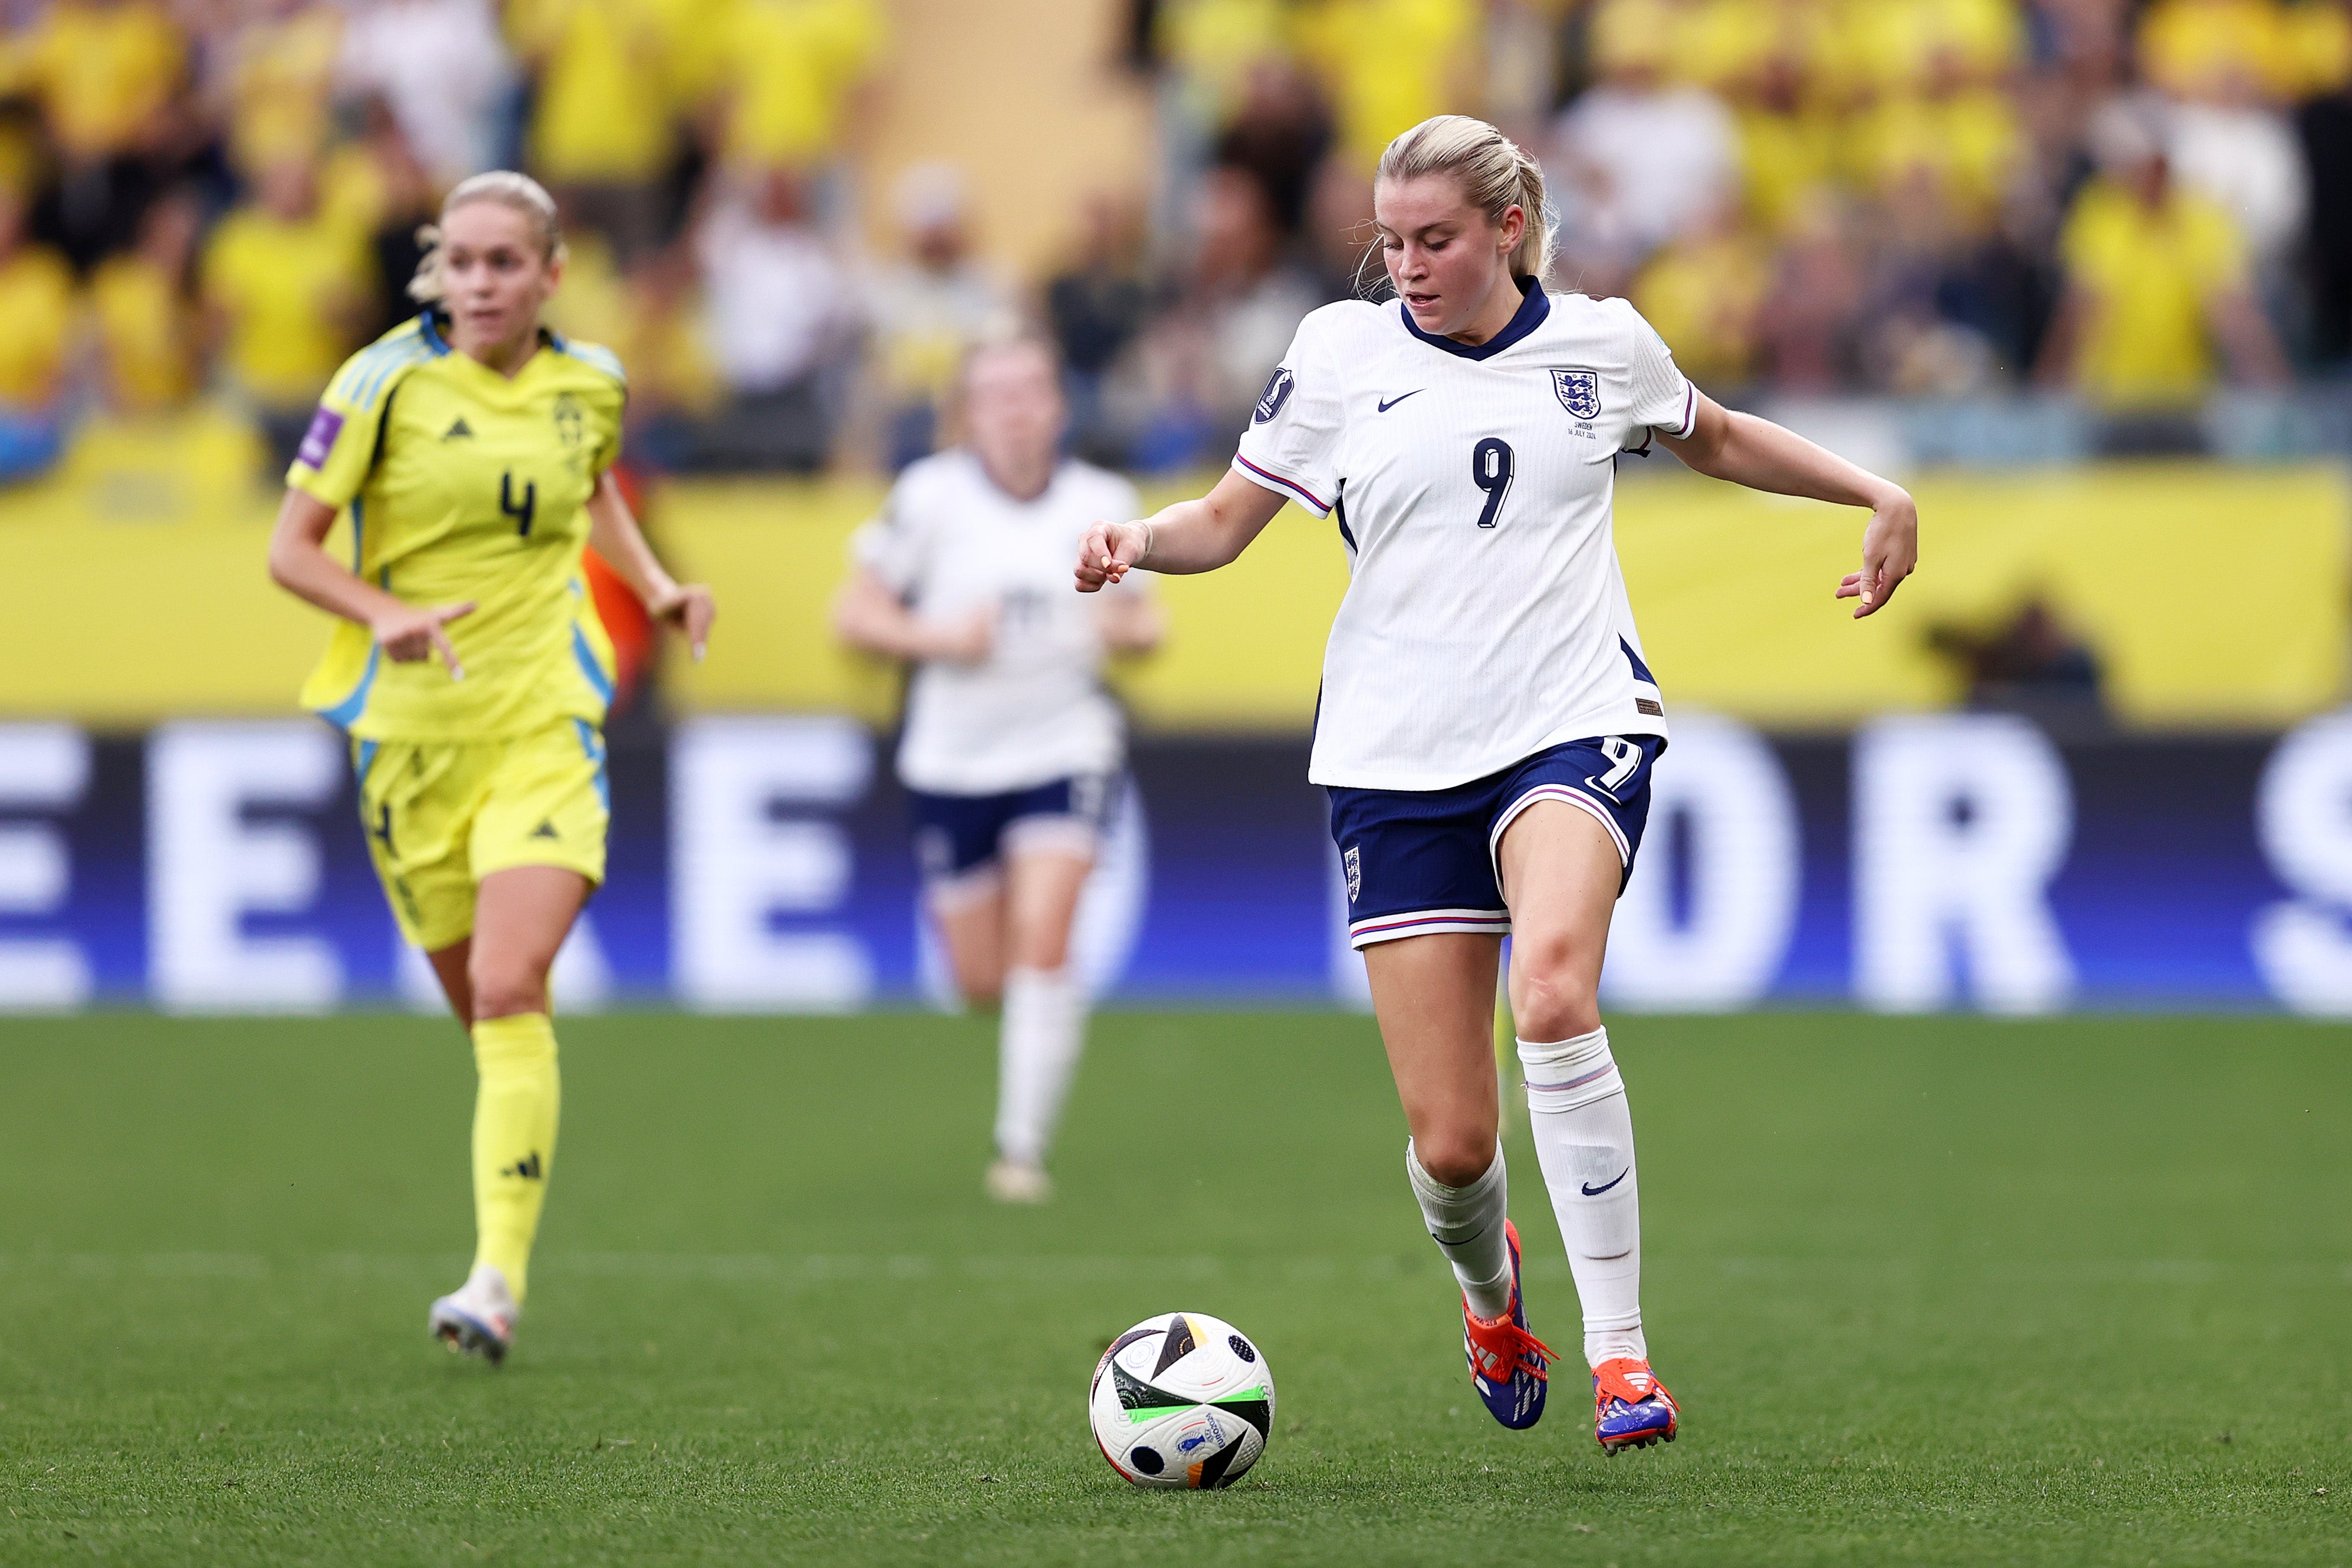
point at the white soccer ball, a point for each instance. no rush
(1182, 1400)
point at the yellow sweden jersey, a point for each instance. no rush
(463, 484)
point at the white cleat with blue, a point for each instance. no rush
(478, 1317)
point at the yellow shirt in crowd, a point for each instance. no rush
(142, 336)
(1785, 157)
(1389, 64)
(286, 289)
(37, 301)
(2148, 278)
(102, 72)
(794, 64)
(1704, 296)
(281, 74)
(603, 106)
(1971, 141)
(1214, 42)
(2186, 45)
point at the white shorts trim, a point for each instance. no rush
(1570, 795)
(961, 889)
(1382, 929)
(1061, 834)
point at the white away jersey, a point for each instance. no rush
(1485, 616)
(950, 542)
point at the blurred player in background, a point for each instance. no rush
(1487, 724)
(1013, 753)
(474, 449)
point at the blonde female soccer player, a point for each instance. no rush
(472, 449)
(1013, 752)
(1488, 721)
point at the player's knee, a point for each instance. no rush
(1456, 1157)
(1551, 998)
(502, 989)
(1041, 949)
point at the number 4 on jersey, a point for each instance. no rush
(1490, 470)
(523, 512)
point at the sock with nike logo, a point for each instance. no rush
(1584, 1141)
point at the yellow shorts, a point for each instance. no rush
(442, 816)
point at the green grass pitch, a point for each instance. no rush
(1933, 1291)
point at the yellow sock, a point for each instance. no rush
(515, 1113)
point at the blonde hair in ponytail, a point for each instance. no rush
(1495, 175)
(508, 189)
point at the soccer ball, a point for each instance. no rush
(1182, 1400)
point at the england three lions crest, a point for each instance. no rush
(1580, 391)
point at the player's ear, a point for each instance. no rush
(1513, 228)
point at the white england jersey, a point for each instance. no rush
(1485, 617)
(948, 542)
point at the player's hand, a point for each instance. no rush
(967, 641)
(1890, 552)
(408, 634)
(687, 609)
(1109, 551)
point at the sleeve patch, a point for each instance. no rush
(1276, 394)
(320, 439)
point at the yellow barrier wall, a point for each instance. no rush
(135, 591)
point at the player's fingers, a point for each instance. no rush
(448, 652)
(448, 613)
(1874, 571)
(1850, 586)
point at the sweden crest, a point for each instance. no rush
(1580, 391)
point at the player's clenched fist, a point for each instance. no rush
(1110, 550)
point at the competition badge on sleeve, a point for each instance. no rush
(320, 439)
(1276, 394)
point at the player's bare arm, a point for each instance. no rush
(1189, 536)
(298, 563)
(687, 609)
(869, 617)
(1763, 455)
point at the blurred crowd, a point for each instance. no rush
(221, 199)
(2132, 202)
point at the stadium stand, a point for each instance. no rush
(2060, 227)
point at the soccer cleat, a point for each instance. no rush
(1018, 1181)
(478, 1317)
(1507, 1363)
(1630, 1409)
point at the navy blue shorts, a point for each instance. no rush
(1419, 861)
(959, 835)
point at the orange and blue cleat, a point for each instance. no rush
(1632, 1410)
(1507, 1363)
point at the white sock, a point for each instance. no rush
(1466, 1223)
(1041, 1031)
(1584, 1141)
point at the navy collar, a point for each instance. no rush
(1533, 308)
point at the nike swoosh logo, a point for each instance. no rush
(1592, 1191)
(1387, 403)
